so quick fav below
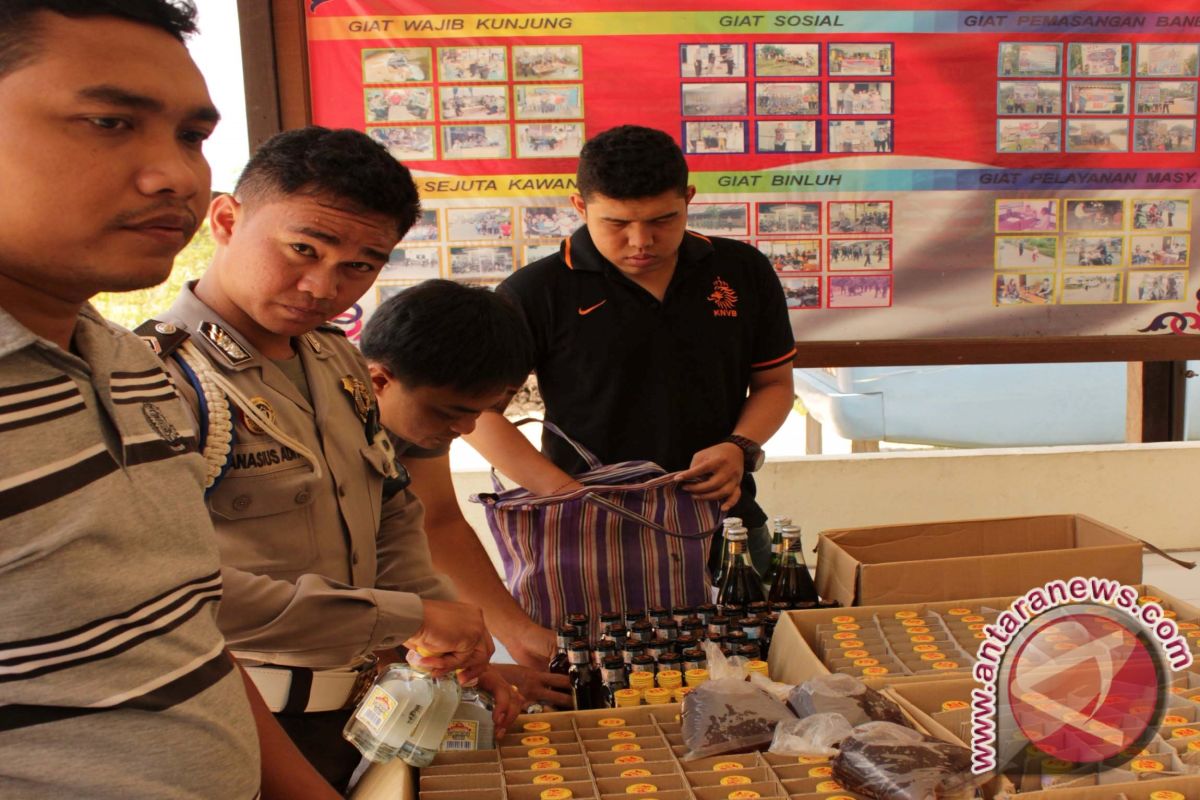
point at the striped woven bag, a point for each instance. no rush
(631, 538)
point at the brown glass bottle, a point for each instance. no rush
(613, 678)
(741, 584)
(560, 663)
(793, 585)
(584, 680)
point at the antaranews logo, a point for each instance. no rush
(1074, 677)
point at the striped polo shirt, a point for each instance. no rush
(114, 682)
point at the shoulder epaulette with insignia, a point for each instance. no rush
(329, 327)
(163, 338)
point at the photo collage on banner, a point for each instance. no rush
(907, 171)
(1092, 251)
(1100, 97)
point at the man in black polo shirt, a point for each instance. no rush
(652, 342)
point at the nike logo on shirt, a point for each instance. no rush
(583, 312)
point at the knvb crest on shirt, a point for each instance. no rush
(724, 298)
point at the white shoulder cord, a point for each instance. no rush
(220, 424)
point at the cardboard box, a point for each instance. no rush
(794, 646)
(970, 558)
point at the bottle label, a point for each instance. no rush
(463, 734)
(376, 709)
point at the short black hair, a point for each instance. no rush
(630, 162)
(19, 24)
(444, 334)
(344, 164)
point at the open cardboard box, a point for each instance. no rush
(922, 702)
(794, 658)
(970, 558)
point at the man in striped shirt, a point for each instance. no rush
(114, 679)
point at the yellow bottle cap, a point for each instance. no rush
(1188, 626)
(670, 678)
(839, 797)
(1175, 719)
(976, 626)
(843, 635)
(640, 788)
(849, 626)
(812, 759)
(548, 777)
(1169, 614)
(925, 648)
(913, 623)
(954, 705)
(933, 656)
(539, 752)
(874, 672)
(1149, 598)
(557, 793)
(1194, 747)
(905, 614)
(545, 765)
(830, 786)
(920, 638)
(656, 694)
(1146, 765)
(757, 667)
(629, 760)
(624, 734)
(1167, 794)
(743, 794)
(1185, 733)
(641, 680)
(945, 665)
(917, 629)
(725, 766)
(973, 618)
(735, 780)
(535, 741)
(536, 727)
(842, 619)
(958, 612)
(625, 747)
(678, 694)
(695, 677)
(848, 644)
(1195, 698)
(636, 772)
(856, 653)
(866, 662)
(613, 722)
(820, 772)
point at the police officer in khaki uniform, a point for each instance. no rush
(324, 557)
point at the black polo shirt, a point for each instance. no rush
(633, 378)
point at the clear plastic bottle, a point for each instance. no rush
(472, 726)
(405, 713)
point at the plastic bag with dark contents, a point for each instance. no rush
(845, 695)
(815, 735)
(729, 716)
(885, 761)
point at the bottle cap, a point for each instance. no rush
(906, 614)
(640, 788)
(870, 662)
(829, 786)
(735, 780)
(535, 741)
(1146, 765)
(657, 694)
(933, 655)
(959, 612)
(1167, 794)
(757, 667)
(823, 771)
(629, 760)
(613, 722)
(670, 678)
(557, 793)
(725, 766)
(625, 747)
(548, 777)
(954, 705)
(1185, 733)
(545, 765)
(945, 665)
(539, 752)
(536, 727)
(925, 648)
(743, 794)
(679, 693)
(874, 672)
(1175, 719)
(812, 760)
(636, 772)
(627, 698)
(622, 734)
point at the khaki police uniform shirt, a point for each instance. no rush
(317, 574)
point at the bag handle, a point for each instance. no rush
(587, 455)
(637, 518)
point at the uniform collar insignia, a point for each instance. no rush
(313, 341)
(360, 394)
(226, 345)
